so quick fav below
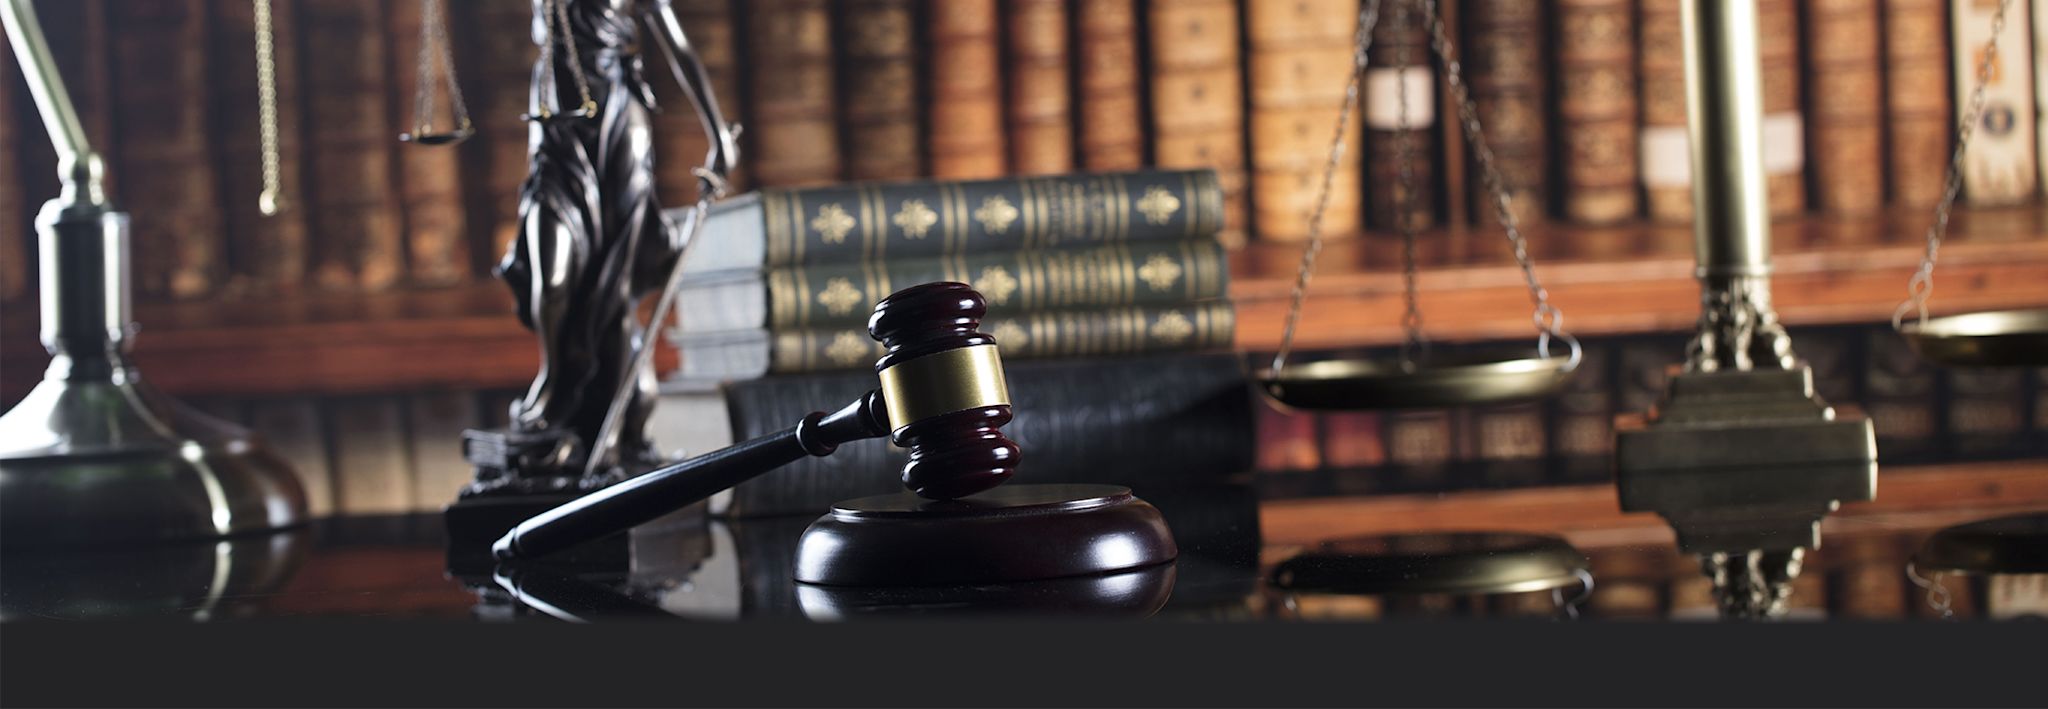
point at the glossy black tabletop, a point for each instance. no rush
(690, 566)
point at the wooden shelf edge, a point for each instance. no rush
(1592, 513)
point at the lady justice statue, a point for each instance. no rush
(592, 244)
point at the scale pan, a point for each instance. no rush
(1481, 377)
(2004, 338)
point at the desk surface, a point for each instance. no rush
(688, 566)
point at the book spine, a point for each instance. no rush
(1596, 104)
(498, 57)
(435, 421)
(1666, 157)
(1014, 282)
(351, 207)
(1040, 103)
(1900, 397)
(1111, 100)
(1509, 444)
(1287, 440)
(1582, 423)
(429, 180)
(879, 90)
(793, 139)
(297, 430)
(1986, 412)
(1033, 335)
(1421, 446)
(1300, 54)
(1198, 97)
(1917, 112)
(1400, 75)
(14, 243)
(1505, 65)
(877, 222)
(267, 255)
(1998, 165)
(1353, 439)
(966, 138)
(373, 474)
(1784, 134)
(1151, 423)
(1846, 105)
(679, 141)
(159, 63)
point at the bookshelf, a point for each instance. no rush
(1610, 281)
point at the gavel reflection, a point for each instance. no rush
(942, 396)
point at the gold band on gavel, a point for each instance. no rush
(944, 382)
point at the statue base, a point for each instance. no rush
(518, 475)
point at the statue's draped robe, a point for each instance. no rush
(591, 242)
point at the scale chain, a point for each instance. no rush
(270, 202)
(1548, 319)
(1922, 284)
(1368, 18)
(1414, 342)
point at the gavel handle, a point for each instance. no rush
(654, 494)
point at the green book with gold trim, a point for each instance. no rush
(886, 221)
(1014, 282)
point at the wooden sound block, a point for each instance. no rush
(1009, 534)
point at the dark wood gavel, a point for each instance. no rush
(942, 396)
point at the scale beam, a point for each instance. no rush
(1740, 456)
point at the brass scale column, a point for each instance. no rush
(1741, 456)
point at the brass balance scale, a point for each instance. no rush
(1741, 457)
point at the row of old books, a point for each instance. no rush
(1107, 293)
(1582, 103)
(1920, 414)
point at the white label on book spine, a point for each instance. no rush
(1784, 143)
(1667, 157)
(1383, 91)
(1999, 164)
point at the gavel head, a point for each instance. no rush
(942, 383)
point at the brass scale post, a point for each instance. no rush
(1741, 456)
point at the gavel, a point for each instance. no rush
(942, 396)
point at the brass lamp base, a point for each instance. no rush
(108, 462)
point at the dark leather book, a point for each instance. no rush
(890, 220)
(1040, 102)
(1109, 85)
(1596, 105)
(1582, 419)
(1130, 330)
(1015, 282)
(1986, 411)
(793, 138)
(965, 137)
(429, 184)
(1916, 99)
(878, 89)
(1394, 45)
(1666, 163)
(14, 217)
(1197, 85)
(1503, 58)
(1151, 423)
(1845, 105)
(1900, 398)
(351, 204)
(162, 148)
(267, 255)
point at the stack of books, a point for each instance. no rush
(1107, 293)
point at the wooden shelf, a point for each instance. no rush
(1925, 496)
(1635, 279)
(1608, 281)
